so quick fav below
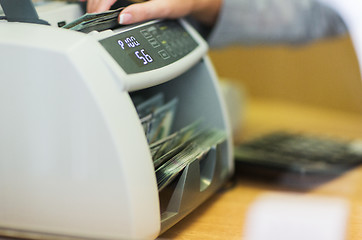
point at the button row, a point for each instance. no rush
(175, 40)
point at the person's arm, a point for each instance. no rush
(242, 21)
(254, 22)
(204, 11)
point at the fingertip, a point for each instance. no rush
(125, 18)
(136, 13)
(129, 15)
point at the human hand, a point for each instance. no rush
(205, 11)
(95, 6)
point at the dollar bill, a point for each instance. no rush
(195, 150)
(158, 123)
(95, 21)
(150, 105)
(146, 122)
(162, 120)
(166, 148)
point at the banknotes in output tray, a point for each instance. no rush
(172, 152)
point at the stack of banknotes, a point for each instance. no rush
(172, 152)
(95, 21)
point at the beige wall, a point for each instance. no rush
(324, 73)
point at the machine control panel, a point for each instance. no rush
(151, 46)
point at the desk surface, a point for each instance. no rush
(223, 215)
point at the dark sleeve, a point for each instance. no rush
(252, 22)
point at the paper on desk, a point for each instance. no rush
(351, 13)
(283, 216)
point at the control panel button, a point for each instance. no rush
(145, 33)
(154, 43)
(163, 54)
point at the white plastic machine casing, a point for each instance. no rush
(74, 160)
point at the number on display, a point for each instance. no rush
(142, 55)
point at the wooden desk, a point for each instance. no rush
(223, 216)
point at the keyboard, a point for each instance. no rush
(300, 153)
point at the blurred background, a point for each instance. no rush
(323, 74)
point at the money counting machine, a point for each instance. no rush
(75, 159)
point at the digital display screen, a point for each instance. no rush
(140, 56)
(149, 47)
